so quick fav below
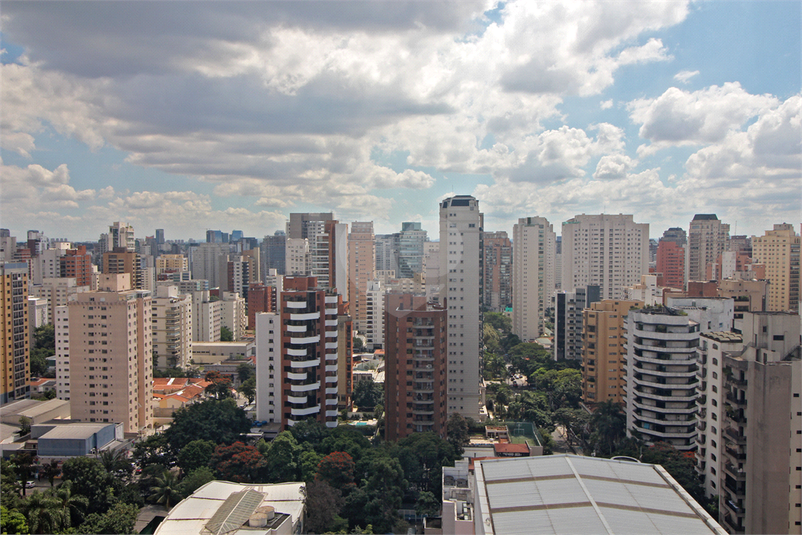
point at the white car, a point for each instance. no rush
(30, 484)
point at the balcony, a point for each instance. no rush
(311, 363)
(735, 401)
(737, 474)
(305, 388)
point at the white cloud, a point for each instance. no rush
(685, 76)
(606, 104)
(653, 50)
(613, 166)
(694, 118)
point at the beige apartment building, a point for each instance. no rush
(533, 253)
(707, 238)
(111, 355)
(778, 250)
(172, 328)
(603, 351)
(58, 291)
(361, 268)
(171, 263)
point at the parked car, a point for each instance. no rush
(30, 484)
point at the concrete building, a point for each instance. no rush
(274, 252)
(62, 332)
(362, 268)
(710, 413)
(121, 260)
(713, 314)
(77, 263)
(648, 291)
(604, 351)
(207, 261)
(297, 225)
(415, 391)
(671, 264)
(748, 296)
(111, 355)
(206, 317)
(233, 314)
(298, 347)
(171, 263)
(48, 262)
(611, 251)
(778, 249)
(498, 271)
(707, 238)
(431, 269)
(121, 235)
(461, 248)
(58, 292)
(374, 320)
(345, 358)
(8, 246)
(661, 376)
(568, 307)
(261, 298)
(297, 256)
(223, 507)
(760, 488)
(386, 252)
(410, 246)
(532, 275)
(15, 366)
(172, 328)
(574, 494)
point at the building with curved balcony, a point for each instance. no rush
(415, 386)
(297, 349)
(661, 381)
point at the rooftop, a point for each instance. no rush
(724, 337)
(573, 494)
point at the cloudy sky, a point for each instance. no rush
(195, 115)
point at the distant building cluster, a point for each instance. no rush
(695, 335)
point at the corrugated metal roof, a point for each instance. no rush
(572, 494)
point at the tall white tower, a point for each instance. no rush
(533, 259)
(461, 226)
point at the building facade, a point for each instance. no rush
(532, 275)
(415, 391)
(498, 271)
(568, 307)
(461, 290)
(707, 238)
(361, 267)
(778, 250)
(172, 328)
(15, 328)
(610, 251)
(661, 384)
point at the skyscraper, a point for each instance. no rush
(778, 250)
(410, 249)
(15, 365)
(497, 271)
(461, 250)
(361, 266)
(568, 307)
(533, 284)
(707, 238)
(111, 355)
(172, 328)
(415, 367)
(611, 251)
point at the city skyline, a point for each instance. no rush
(231, 116)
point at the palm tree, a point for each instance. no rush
(165, 491)
(116, 461)
(44, 513)
(609, 426)
(73, 506)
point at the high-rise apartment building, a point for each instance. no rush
(206, 317)
(261, 298)
(747, 296)
(461, 250)
(111, 355)
(498, 271)
(233, 314)
(707, 238)
(410, 243)
(172, 328)
(58, 291)
(386, 252)
(298, 347)
(15, 366)
(77, 263)
(533, 283)
(778, 249)
(274, 252)
(760, 488)
(121, 261)
(297, 225)
(415, 390)
(47, 264)
(362, 271)
(171, 263)
(610, 251)
(374, 315)
(297, 256)
(62, 332)
(121, 235)
(238, 275)
(661, 379)
(345, 357)
(8, 246)
(604, 351)
(568, 307)
(671, 264)
(207, 261)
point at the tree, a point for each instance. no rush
(116, 462)
(44, 514)
(385, 489)
(494, 366)
(323, 502)
(245, 371)
(309, 432)
(23, 468)
(90, 479)
(50, 471)
(119, 519)
(166, 491)
(337, 469)
(608, 425)
(220, 387)
(196, 454)
(73, 506)
(498, 321)
(222, 422)
(239, 463)
(427, 504)
(457, 432)
(195, 480)
(358, 345)
(367, 394)
(226, 335)
(12, 521)
(25, 426)
(422, 456)
(248, 389)
(282, 456)
(308, 462)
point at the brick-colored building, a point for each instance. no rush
(77, 263)
(671, 264)
(415, 385)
